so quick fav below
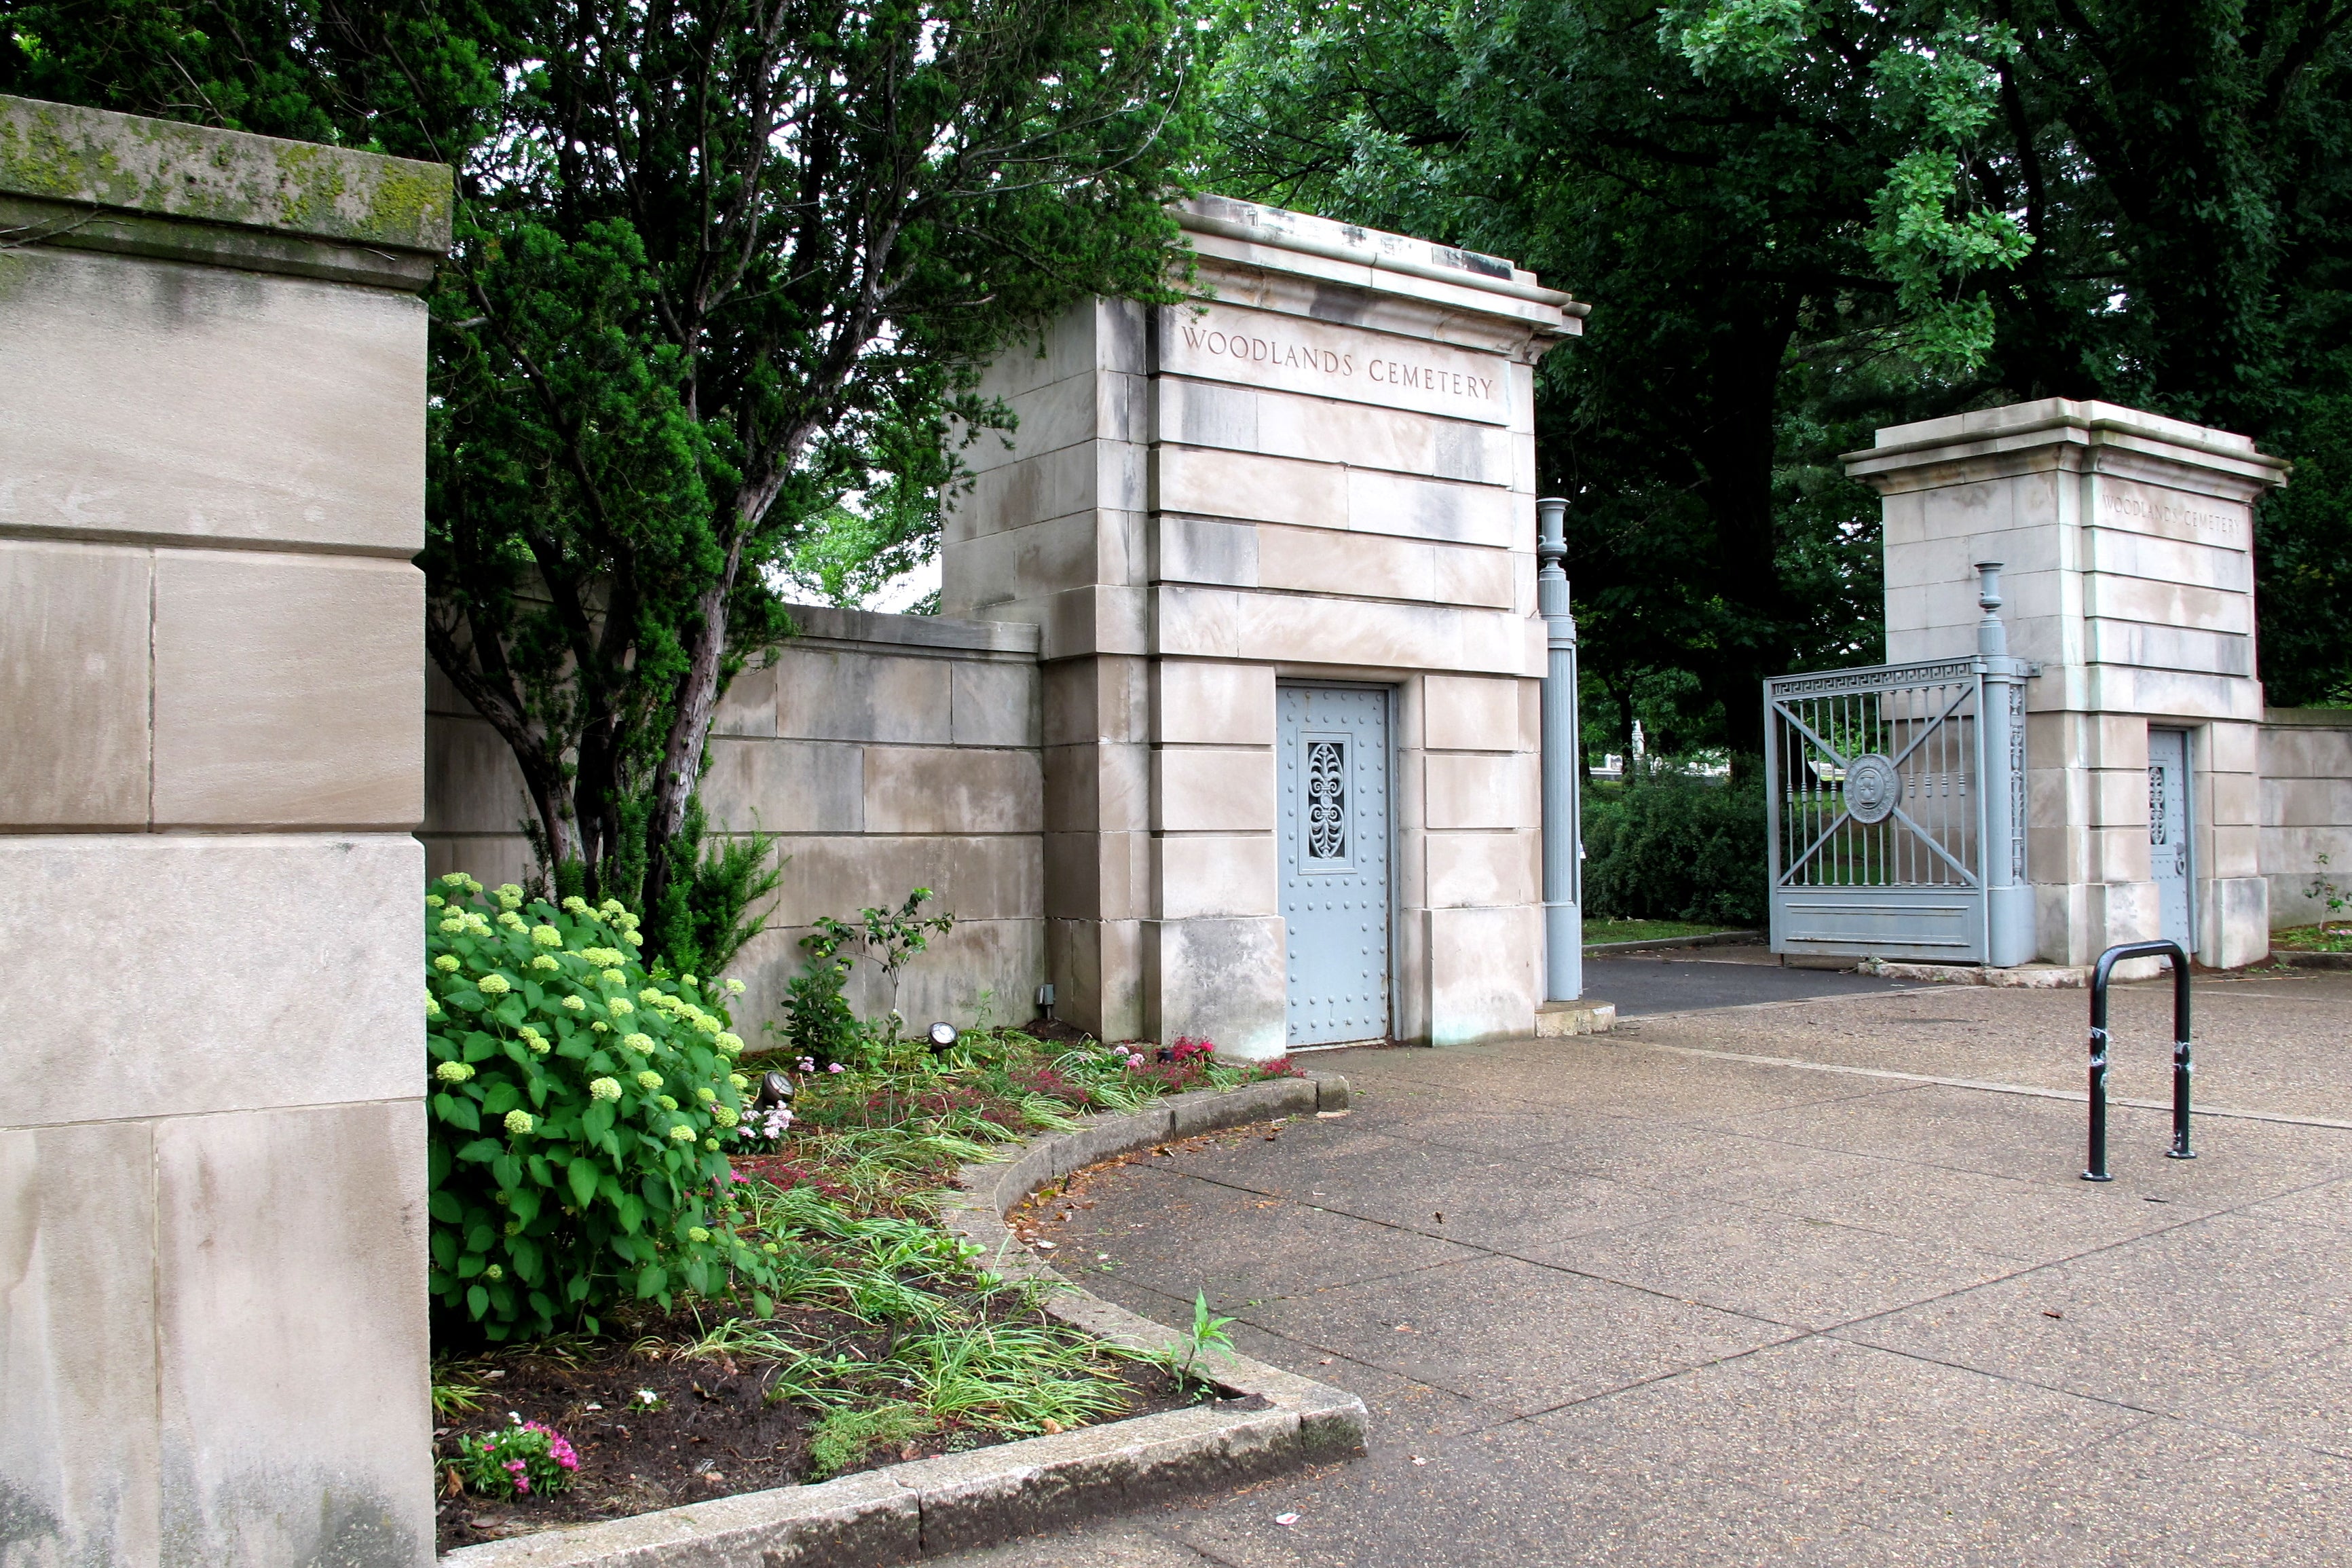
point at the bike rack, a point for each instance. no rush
(2181, 1065)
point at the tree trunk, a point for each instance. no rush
(698, 696)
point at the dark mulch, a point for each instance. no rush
(712, 1433)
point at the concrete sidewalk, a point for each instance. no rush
(1636, 1300)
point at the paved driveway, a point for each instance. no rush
(1809, 1281)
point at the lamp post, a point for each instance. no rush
(2010, 936)
(1563, 765)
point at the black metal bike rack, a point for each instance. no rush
(2181, 1065)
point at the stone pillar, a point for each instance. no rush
(213, 1344)
(1323, 470)
(2128, 543)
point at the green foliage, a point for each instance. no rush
(523, 1459)
(720, 282)
(1671, 847)
(1208, 1333)
(1798, 220)
(578, 1104)
(845, 1436)
(706, 914)
(749, 307)
(818, 1022)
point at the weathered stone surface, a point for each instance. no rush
(288, 691)
(266, 410)
(911, 789)
(857, 1521)
(96, 157)
(74, 683)
(243, 1203)
(80, 1463)
(1290, 354)
(1216, 979)
(142, 928)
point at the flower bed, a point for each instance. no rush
(2332, 938)
(775, 1279)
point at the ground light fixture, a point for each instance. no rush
(775, 1089)
(942, 1036)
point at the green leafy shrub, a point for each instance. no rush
(578, 1109)
(818, 1022)
(1671, 847)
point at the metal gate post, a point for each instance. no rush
(2096, 1169)
(1563, 766)
(2009, 938)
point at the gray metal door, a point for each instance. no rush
(1876, 825)
(2167, 832)
(1335, 862)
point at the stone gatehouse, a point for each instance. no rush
(1229, 728)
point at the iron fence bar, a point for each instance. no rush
(2096, 1170)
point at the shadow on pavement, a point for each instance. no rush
(1720, 978)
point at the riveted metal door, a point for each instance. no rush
(1335, 862)
(2167, 831)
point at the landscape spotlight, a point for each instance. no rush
(942, 1036)
(775, 1089)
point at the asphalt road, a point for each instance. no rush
(1692, 978)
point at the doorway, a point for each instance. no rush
(1335, 862)
(2167, 833)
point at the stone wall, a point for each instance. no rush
(213, 1340)
(2306, 807)
(888, 752)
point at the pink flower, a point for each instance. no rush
(833, 1067)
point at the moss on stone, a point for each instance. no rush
(64, 153)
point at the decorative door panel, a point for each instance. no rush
(1335, 862)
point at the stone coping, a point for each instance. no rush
(131, 164)
(926, 1507)
(90, 179)
(821, 624)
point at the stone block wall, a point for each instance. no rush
(213, 1342)
(2306, 807)
(887, 751)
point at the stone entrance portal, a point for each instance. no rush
(1334, 750)
(1323, 472)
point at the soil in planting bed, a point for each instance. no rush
(709, 1433)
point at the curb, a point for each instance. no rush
(924, 1507)
(2302, 960)
(2025, 977)
(1668, 943)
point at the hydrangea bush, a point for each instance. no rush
(580, 1106)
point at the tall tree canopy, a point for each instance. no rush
(719, 265)
(1799, 219)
